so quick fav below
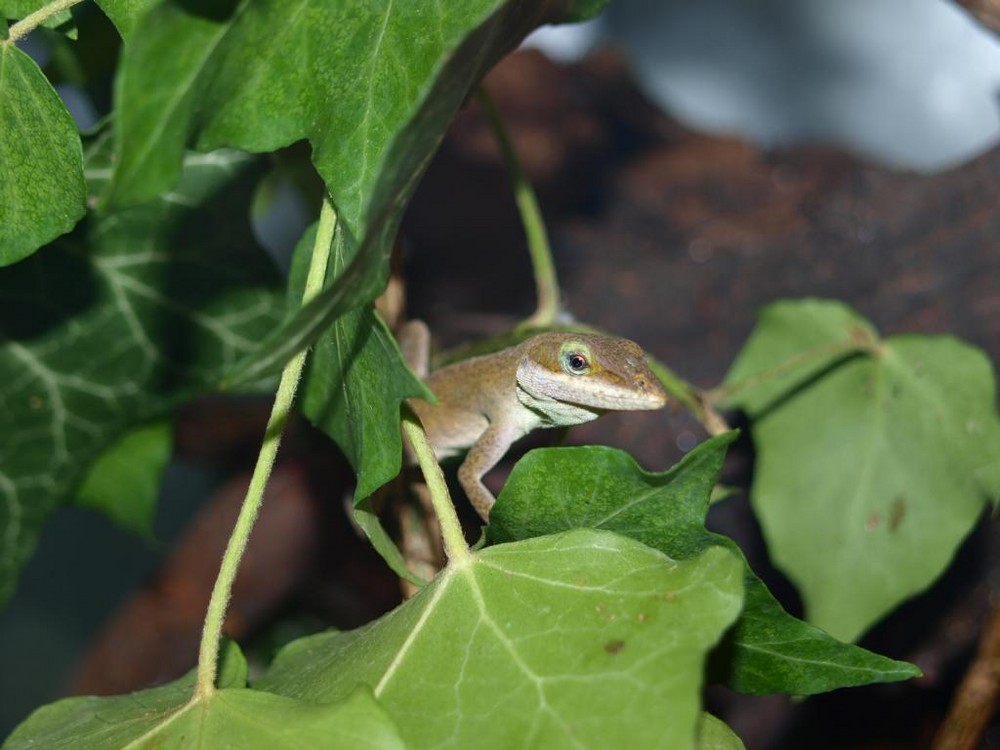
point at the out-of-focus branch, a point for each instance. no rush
(987, 12)
(975, 702)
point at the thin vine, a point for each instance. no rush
(208, 653)
(33, 20)
(549, 308)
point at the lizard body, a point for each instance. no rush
(549, 380)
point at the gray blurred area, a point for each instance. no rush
(906, 83)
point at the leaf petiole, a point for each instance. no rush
(857, 345)
(455, 547)
(549, 308)
(33, 20)
(208, 654)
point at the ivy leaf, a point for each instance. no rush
(354, 385)
(125, 14)
(715, 734)
(231, 717)
(356, 381)
(114, 326)
(767, 650)
(42, 189)
(371, 85)
(872, 466)
(124, 481)
(584, 639)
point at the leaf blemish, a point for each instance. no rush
(873, 522)
(614, 647)
(897, 513)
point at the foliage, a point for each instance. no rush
(601, 603)
(881, 452)
(167, 717)
(767, 650)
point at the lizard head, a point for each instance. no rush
(603, 373)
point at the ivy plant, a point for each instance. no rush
(599, 605)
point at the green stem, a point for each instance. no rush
(451, 530)
(721, 394)
(33, 20)
(690, 397)
(208, 655)
(546, 281)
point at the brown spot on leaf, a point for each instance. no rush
(897, 513)
(873, 522)
(614, 647)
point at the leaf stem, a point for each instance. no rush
(975, 700)
(208, 655)
(455, 547)
(722, 393)
(691, 398)
(33, 20)
(546, 281)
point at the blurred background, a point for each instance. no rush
(911, 84)
(694, 160)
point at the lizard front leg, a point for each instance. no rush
(483, 456)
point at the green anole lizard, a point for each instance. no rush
(549, 380)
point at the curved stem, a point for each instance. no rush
(546, 281)
(455, 547)
(690, 397)
(33, 20)
(208, 654)
(975, 701)
(724, 392)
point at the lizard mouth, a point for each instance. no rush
(609, 392)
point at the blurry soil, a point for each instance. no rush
(674, 239)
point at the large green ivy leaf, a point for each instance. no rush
(874, 457)
(767, 650)
(116, 324)
(583, 639)
(371, 85)
(42, 188)
(233, 717)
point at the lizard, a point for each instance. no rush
(486, 403)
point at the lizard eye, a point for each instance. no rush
(576, 361)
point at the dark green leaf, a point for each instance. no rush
(883, 459)
(124, 14)
(370, 523)
(42, 189)
(115, 325)
(767, 650)
(371, 85)
(584, 639)
(584, 10)
(356, 382)
(124, 482)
